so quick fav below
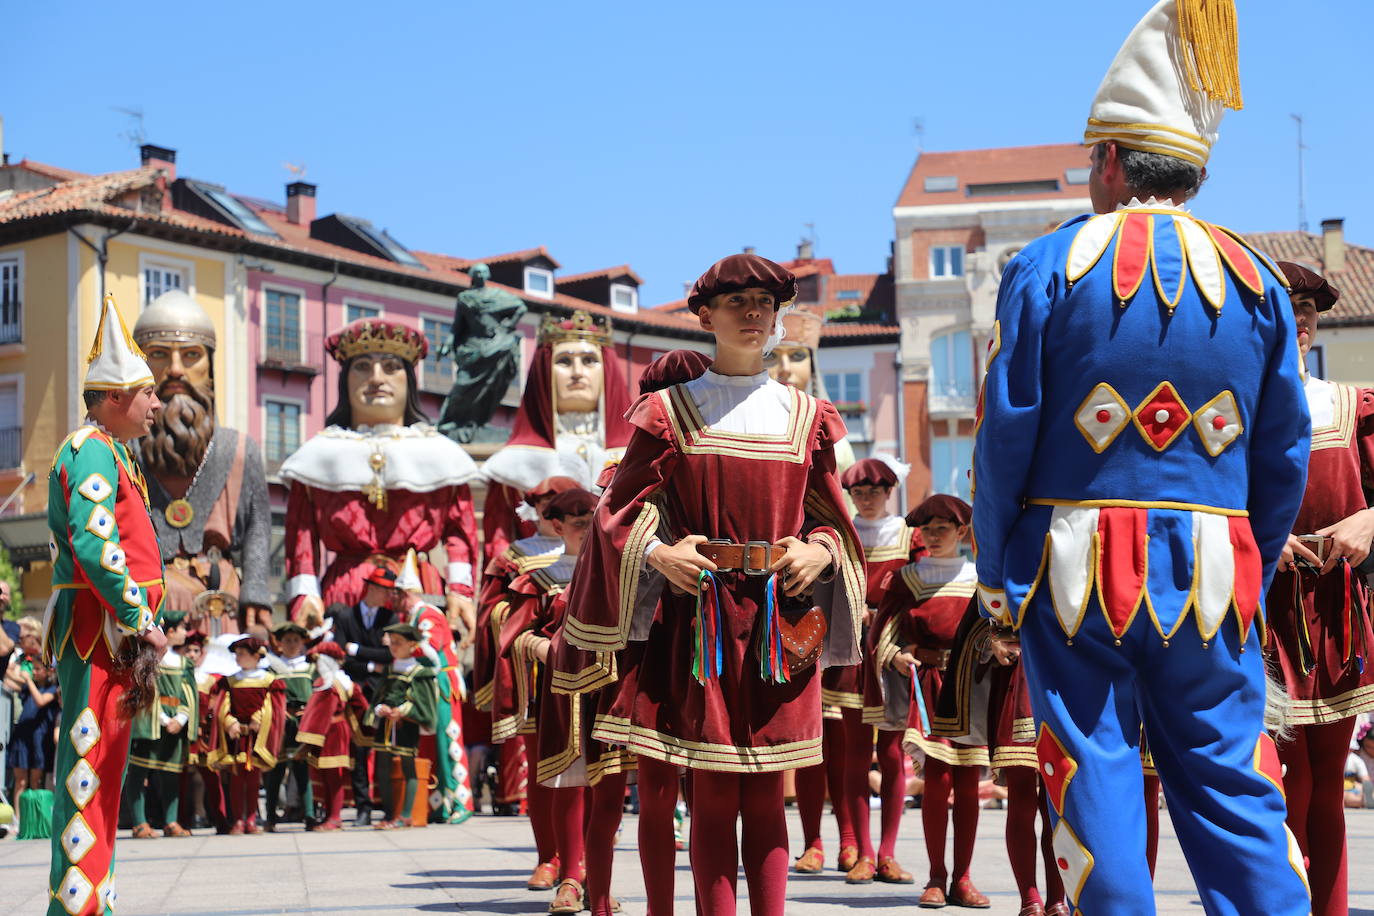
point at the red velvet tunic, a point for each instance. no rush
(682, 476)
(923, 608)
(206, 685)
(844, 686)
(535, 613)
(257, 699)
(488, 666)
(348, 525)
(332, 722)
(1326, 684)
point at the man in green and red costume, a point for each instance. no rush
(107, 587)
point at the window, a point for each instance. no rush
(848, 295)
(10, 426)
(624, 298)
(951, 372)
(436, 374)
(282, 324)
(283, 433)
(942, 183)
(946, 261)
(355, 310)
(11, 293)
(844, 387)
(999, 188)
(951, 459)
(1316, 361)
(1077, 176)
(159, 278)
(539, 282)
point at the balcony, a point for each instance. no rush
(11, 449)
(951, 404)
(285, 354)
(11, 332)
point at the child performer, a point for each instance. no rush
(162, 735)
(297, 674)
(912, 634)
(198, 753)
(250, 714)
(738, 473)
(331, 723)
(405, 705)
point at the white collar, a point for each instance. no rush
(402, 665)
(171, 658)
(1153, 203)
(735, 381)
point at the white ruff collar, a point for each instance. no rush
(415, 458)
(1152, 204)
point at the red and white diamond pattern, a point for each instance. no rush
(1161, 417)
(1102, 416)
(1074, 861)
(1218, 423)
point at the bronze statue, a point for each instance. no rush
(485, 348)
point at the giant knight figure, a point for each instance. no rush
(206, 482)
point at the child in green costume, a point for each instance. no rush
(162, 736)
(406, 704)
(294, 669)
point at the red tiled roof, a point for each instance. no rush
(610, 273)
(1356, 281)
(843, 329)
(991, 166)
(522, 255)
(48, 171)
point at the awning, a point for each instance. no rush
(25, 537)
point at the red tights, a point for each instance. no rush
(658, 784)
(1151, 821)
(603, 820)
(848, 750)
(942, 781)
(721, 801)
(332, 779)
(568, 813)
(892, 766)
(1025, 797)
(243, 794)
(1314, 782)
(541, 808)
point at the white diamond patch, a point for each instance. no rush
(75, 891)
(1074, 861)
(132, 593)
(95, 488)
(453, 730)
(82, 783)
(78, 839)
(52, 549)
(1102, 416)
(1218, 423)
(101, 523)
(85, 732)
(112, 557)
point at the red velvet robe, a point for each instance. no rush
(332, 722)
(259, 699)
(488, 666)
(680, 476)
(1334, 619)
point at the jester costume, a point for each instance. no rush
(1140, 457)
(439, 651)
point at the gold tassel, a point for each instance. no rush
(1211, 48)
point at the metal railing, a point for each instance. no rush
(11, 331)
(952, 403)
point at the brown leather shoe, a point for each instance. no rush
(862, 872)
(175, 829)
(849, 857)
(889, 872)
(543, 876)
(237, 829)
(963, 893)
(1033, 909)
(144, 831)
(1057, 909)
(811, 862)
(933, 898)
(569, 897)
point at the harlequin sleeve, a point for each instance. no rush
(1280, 438)
(1008, 423)
(604, 593)
(841, 590)
(302, 546)
(460, 541)
(89, 479)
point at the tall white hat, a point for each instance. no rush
(409, 578)
(116, 362)
(1166, 90)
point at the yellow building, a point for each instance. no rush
(65, 240)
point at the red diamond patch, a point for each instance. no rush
(1056, 767)
(1161, 417)
(1267, 761)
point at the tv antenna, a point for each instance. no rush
(135, 134)
(1302, 179)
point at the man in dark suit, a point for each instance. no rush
(358, 630)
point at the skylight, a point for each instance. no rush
(942, 183)
(236, 211)
(382, 239)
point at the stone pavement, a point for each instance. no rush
(481, 867)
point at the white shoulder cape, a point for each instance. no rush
(416, 458)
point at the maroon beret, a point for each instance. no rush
(868, 473)
(1310, 283)
(941, 505)
(743, 271)
(572, 502)
(331, 649)
(549, 486)
(673, 368)
(249, 644)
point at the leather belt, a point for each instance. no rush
(932, 658)
(752, 558)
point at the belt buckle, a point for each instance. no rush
(760, 570)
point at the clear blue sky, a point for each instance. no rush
(661, 134)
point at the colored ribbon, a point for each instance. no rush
(707, 650)
(1306, 662)
(772, 663)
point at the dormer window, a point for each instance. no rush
(624, 298)
(539, 282)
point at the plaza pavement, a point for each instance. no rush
(481, 867)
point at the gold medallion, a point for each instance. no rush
(179, 513)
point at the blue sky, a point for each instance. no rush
(662, 135)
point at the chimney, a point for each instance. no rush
(806, 250)
(750, 249)
(1333, 245)
(300, 203)
(160, 157)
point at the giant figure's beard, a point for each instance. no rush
(181, 433)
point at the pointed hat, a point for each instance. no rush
(1166, 90)
(116, 362)
(409, 579)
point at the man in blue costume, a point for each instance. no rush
(1141, 456)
